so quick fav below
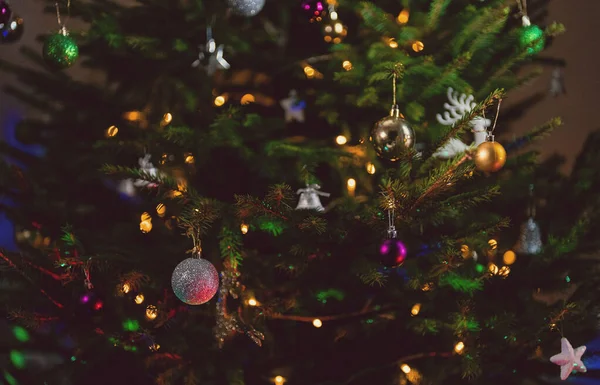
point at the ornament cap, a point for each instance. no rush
(526, 21)
(392, 233)
(63, 31)
(490, 138)
(395, 111)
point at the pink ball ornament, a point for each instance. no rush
(195, 281)
(392, 253)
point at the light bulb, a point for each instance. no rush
(145, 216)
(493, 244)
(247, 99)
(139, 299)
(219, 100)
(146, 226)
(493, 268)
(393, 43)
(351, 183)
(279, 380)
(252, 302)
(509, 257)
(405, 368)
(341, 140)
(244, 228)
(189, 159)
(458, 348)
(418, 46)
(415, 309)
(125, 288)
(371, 168)
(317, 323)
(333, 15)
(403, 16)
(161, 209)
(347, 65)
(309, 71)
(151, 312)
(167, 118)
(112, 131)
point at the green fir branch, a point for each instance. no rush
(461, 284)
(314, 224)
(179, 135)
(136, 173)
(230, 245)
(436, 11)
(373, 277)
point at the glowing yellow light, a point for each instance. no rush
(126, 288)
(459, 347)
(465, 251)
(403, 16)
(161, 209)
(337, 40)
(317, 323)
(309, 71)
(219, 100)
(145, 217)
(279, 380)
(112, 131)
(247, 99)
(341, 140)
(327, 39)
(133, 116)
(347, 65)
(154, 347)
(351, 183)
(333, 15)
(252, 302)
(189, 159)
(427, 286)
(509, 257)
(146, 226)
(139, 299)
(371, 168)
(393, 43)
(167, 118)
(418, 46)
(493, 244)
(415, 309)
(151, 312)
(405, 368)
(493, 268)
(504, 271)
(338, 27)
(244, 228)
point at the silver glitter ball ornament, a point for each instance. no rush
(195, 281)
(391, 136)
(530, 238)
(247, 8)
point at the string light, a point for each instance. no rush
(351, 184)
(125, 288)
(465, 251)
(133, 116)
(371, 168)
(341, 140)
(167, 118)
(504, 271)
(403, 16)
(220, 100)
(317, 323)
(244, 228)
(459, 347)
(247, 99)
(493, 244)
(492, 268)
(309, 72)
(112, 131)
(393, 43)
(145, 216)
(252, 302)
(405, 368)
(151, 312)
(415, 309)
(139, 299)
(279, 380)
(189, 159)
(509, 257)
(347, 65)
(154, 347)
(161, 209)
(418, 46)
(146, 226)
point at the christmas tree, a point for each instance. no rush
(175, 231)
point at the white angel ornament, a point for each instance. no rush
(455, 110)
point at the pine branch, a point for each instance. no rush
(461, 284)
(230, 245)
(129, 172)
(535, 134)
(440, 83)
(436, 11)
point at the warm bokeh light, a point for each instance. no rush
(139, 299)
(154, 347)
(427, 287)
(393, 43)
(189, 159)
(126, 288)
(403, 16)
(161, 210)
(219, 100)
(333, 15)
(146, 226)
(347, 65)
(492, 268)
(493, 244)
(151, 312)
(351, 183)
(415, 309)
(405, 368)
(341, 140)
(504, 271)
(509, 257)
(112, 131)
(252, 302)
(145, 216)
(309, 72)
(418, 46)
(371, 168)
(465, 251)
(244, 228)
(247, 99)
(459, 347)
(317, 323)
(133, 116)
(279, 380)
(167, 118)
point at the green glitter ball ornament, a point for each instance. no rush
(60, 50)
(531, 38)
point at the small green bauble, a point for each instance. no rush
(60, 51)
(531, 38)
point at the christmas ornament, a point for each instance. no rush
(392, 135)
(531, 37)
(314, 9)
(195, 281)
(557, 83)
(490, 156)
(294, 108)
(60, 50)
(569, 359)
(458, 107)
(334, 31)
(246, 8)
(309, 198)
(392, 251)
(127, 186)
(13, 30)
(530, 237)
(211, 55)
(5, 13)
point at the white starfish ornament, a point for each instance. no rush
(569, 359)
(294, 108)
(458, 107)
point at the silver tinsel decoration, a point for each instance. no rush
(530, 238)
(195, 281)
(228, 324)
(309, 198)
(246, 8)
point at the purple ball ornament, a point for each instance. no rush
(392, 253)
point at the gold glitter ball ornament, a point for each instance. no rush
(392, 135)
(490, 156)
